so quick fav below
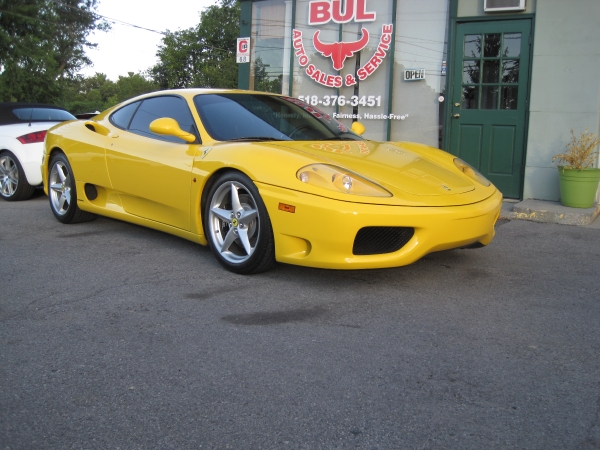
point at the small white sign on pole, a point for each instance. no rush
(243, 50)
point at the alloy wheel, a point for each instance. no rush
(234, 222)
(60, 188)
(9, 176)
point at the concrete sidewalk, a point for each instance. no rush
(550, 212)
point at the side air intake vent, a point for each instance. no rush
(90, 191)
(379, 240)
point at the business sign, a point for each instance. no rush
(322, 12)
(327, 67)
(243, 50)
(339, 52)
(414, 74)
(341, 11)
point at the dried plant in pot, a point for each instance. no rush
(576, 171)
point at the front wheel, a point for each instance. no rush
(62, 192)
(237, 225)
(13, 183)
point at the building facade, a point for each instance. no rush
(499, 83)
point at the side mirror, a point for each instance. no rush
(170, 127)
(358, 128)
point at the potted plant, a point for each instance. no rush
(577, 174)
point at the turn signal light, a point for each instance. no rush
(287, 208)
(32, 138)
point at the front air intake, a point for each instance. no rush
(379, 240)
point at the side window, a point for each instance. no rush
(158, 107)
(122, 117)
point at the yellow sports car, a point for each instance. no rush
(262, 178)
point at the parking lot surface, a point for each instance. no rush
(117, 336)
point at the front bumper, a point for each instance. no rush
(321, 231)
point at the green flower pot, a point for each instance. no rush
(578, 187)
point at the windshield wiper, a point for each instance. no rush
(254, 138)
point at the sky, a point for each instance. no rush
(126, 49)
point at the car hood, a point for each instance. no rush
(415, 174)
(395, 166)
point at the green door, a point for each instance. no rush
(489, 100)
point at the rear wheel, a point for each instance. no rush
(13, 183)
(237, 225)
(62, 192)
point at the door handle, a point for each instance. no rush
(456, 116)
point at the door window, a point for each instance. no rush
(159, 107)
(122, 117)
(491, 71)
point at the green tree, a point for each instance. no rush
(201, 56)
(81, 94)
(262, 80)
(97, 93)
(132, 85)
(42, 46)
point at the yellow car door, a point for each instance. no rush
(153, 173)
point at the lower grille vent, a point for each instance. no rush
(378, 240)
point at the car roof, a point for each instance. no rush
(188, 93)
(191, 92)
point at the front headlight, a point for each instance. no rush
(340, 180)
(471, 172)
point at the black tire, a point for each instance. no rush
(237, 225)
(62, 192)
(13, 182)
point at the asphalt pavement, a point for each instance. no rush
(115, 336)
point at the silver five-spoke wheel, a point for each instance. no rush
(60, 188)
(233, 222)
(238, 226)
(62, 193)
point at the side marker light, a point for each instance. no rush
(287, 208)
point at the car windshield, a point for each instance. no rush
(42, 115)
(260, 117)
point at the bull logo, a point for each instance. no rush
(339, 51)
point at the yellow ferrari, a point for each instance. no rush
(262, 178)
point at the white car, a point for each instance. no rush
(23, 128)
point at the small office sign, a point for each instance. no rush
(243, 50)
(414, 74)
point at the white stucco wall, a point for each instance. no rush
(565, 87)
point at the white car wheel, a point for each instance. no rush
(13, 183)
